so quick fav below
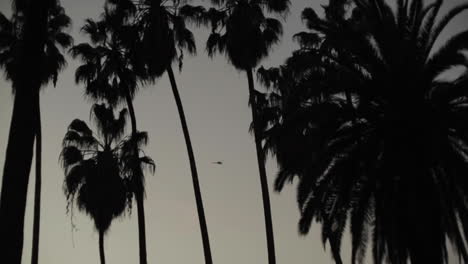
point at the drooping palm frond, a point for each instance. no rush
(110, 127)
(442, 24)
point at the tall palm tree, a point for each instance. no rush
(95, 167)
(110, 71)
(53, 62)
(242, 32)
(165, 39)
(384, 130)
(21, 138)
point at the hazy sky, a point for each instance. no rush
(215, 99)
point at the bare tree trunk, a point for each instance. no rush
(38, 184)
(101, 247)
(262, 171)
(193, 168)
(139, 196)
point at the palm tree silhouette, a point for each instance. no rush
(53, 63)
(19, 154)
(382, 129)
(110, 72)
(165, 39)
(95, 167)
(242, 32)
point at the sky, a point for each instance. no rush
(215, 98)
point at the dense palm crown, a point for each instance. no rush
(367, 118)
(96, 166)
(165, 36)
(92, 166)
(242, 32)
(110, 67)
(11, 43)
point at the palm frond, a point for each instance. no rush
(80, 127)
(442, 24)
(95, 30)
(84, 51)
(214, 44)
(449, 55)
(69, 156)
(64, 40)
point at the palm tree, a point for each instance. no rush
(383, 129)
(110, 71)
(165, 39)
(21, 137)
(242, 32)
(95, 168)
(53, 63)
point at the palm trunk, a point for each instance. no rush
(262, 171)
(101, 247)
(193, 168)
(139, 197)
(141, 227)
(16, 178)
(131, 110)
(38, 183)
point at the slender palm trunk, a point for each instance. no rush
(101, 247)
(193, 168)
(38, 183)
(262, 171)
(19, 151)
(141, 227)
(139, 196)
(131, 110)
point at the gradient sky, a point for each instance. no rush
(215, 99)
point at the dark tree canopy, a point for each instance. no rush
(57, 40)
(110, 61)
(97, 165)
(362, 115)
(242, 31)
